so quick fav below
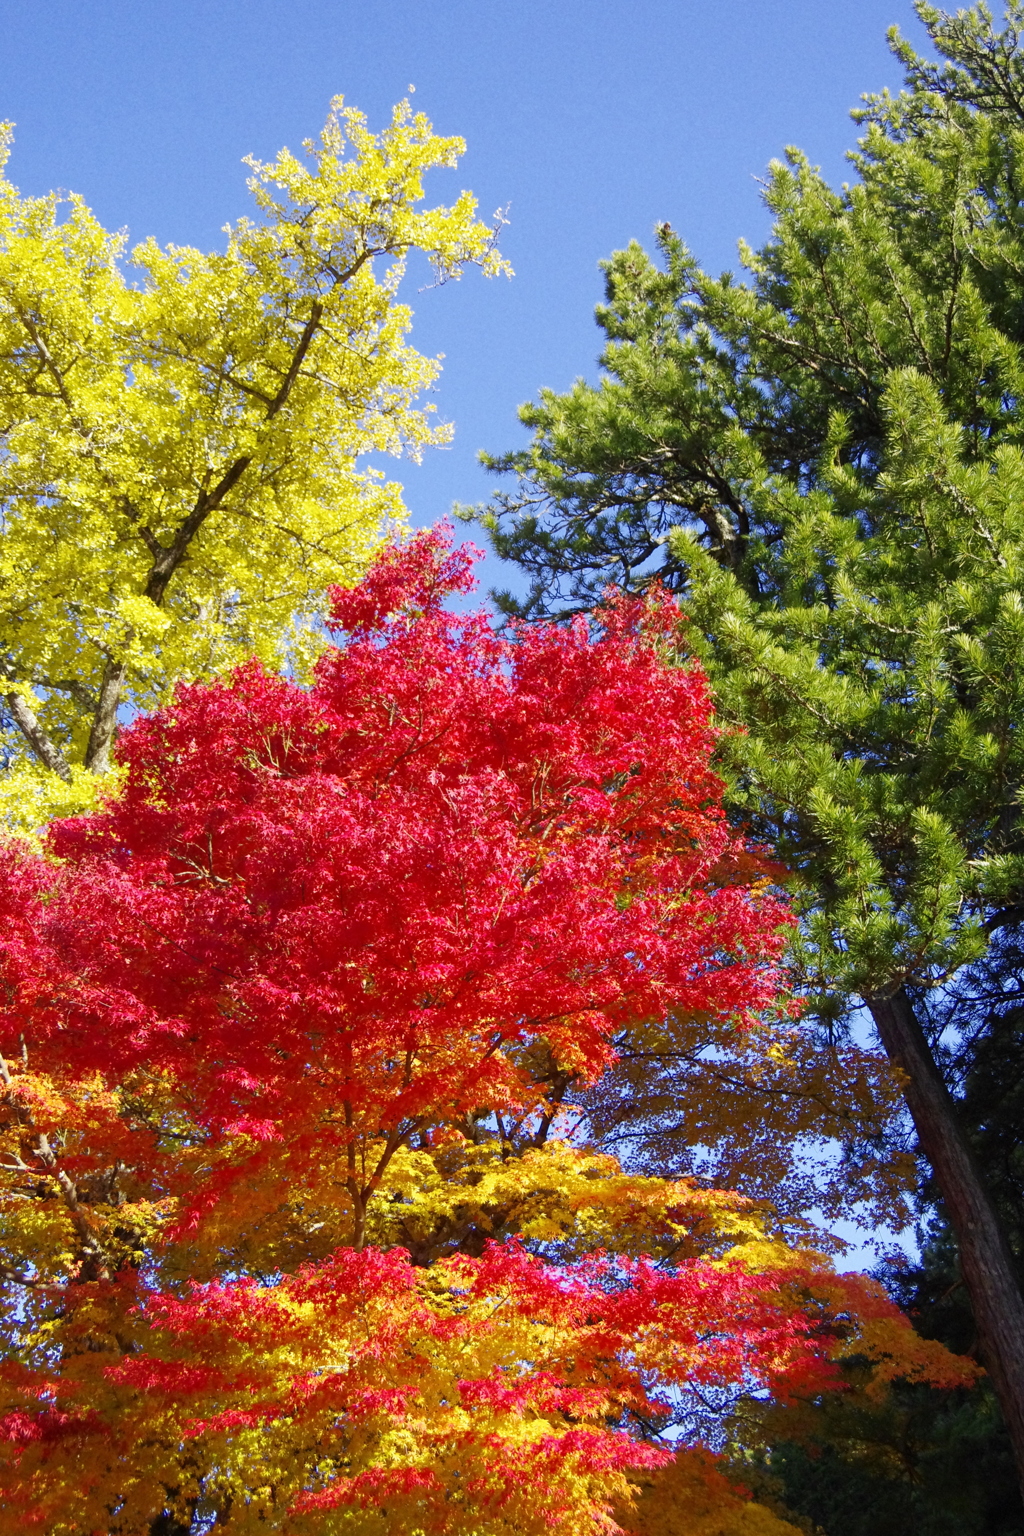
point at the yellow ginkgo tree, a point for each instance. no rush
(180, 441)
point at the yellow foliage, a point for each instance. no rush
(691, 1497)
(271, 1430)
(179, 447)
(574, 1199)
(32, 795)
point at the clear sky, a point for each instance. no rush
(591, 119)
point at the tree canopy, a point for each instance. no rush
(295, 1228)
(180, 439)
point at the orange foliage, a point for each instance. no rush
(294, 1228)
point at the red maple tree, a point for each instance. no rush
(287, 1030)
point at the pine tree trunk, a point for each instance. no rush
(985, 1261)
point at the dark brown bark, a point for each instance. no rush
(985, 1260)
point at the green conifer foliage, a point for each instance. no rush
(826, 460)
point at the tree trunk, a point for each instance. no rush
(985, 1260)
(104, 725)
(45, 750)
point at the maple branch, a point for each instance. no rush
(562, 1082)
(352, 1182)
(396, 1139)
(95, 1265)
(18, 1277)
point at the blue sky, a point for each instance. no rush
(591, 119)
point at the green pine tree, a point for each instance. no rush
(825, 461)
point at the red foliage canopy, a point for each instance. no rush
(319, 930)
(379, 892)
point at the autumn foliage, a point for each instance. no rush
(298, 1228)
